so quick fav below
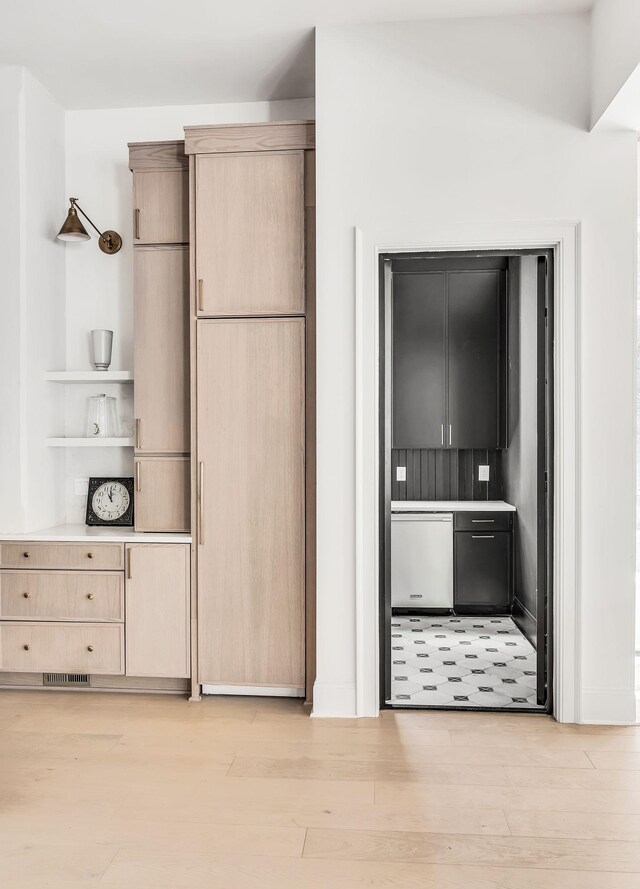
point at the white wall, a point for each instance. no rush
(615, 51)
(99, 287)
(32, 335)
(474, 121)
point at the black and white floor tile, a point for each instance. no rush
(461, 662)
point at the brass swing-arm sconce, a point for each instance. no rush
(73, 230)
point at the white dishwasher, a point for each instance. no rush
(422, 559)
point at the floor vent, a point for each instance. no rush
(65, 679)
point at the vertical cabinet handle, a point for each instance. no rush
(200, 295)
(442, 434)
(136, 224)
(449, 434)
(137, 433)
(129, 575)
(138, 488)
(201, 503)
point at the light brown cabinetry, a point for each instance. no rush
(161, 207)
(62, 647)
(162, 493)
(249, 221)
(48, 595)
(161, 334)
(94, 556)
(157, 618)
(251, 555)
(161, 349)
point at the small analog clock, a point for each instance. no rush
(110, 501)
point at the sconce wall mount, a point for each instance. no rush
(73, 230)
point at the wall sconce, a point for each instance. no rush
(73, 230)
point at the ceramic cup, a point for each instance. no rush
(102, 341)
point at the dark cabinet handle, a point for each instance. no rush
(26, 555)
(26, 647)
(483, 521)
(483, 536)
(27, 595)
(89, 555)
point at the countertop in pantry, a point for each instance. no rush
(451, 506)
(82, 533)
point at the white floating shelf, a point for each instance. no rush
(90, 442)
(89, 376)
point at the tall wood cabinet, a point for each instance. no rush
(252, 328)
(161, 335)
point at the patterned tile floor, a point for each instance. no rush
(461, 662)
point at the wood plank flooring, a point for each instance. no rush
(151, 792)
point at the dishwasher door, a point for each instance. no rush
(421, 560)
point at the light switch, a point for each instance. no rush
(483, 473)
(82, 487)
(401, 473)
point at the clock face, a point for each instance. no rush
(110, 501)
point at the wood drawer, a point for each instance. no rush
(38, 647)
(483, 521)
(42, 595)
(90, 556)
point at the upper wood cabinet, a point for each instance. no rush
(161, 207)
(161, 349)
(162, 493)
(448, 353)
(249, 233)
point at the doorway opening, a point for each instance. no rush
(466, 479)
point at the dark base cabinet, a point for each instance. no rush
(482, 572)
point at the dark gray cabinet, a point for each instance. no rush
(448, 356)
(482, 581)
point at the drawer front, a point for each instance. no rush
(482, 577)
(483, 521)
(87, 556)
(33, 647)
(42, 595)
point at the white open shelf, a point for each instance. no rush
(90, 442)
(89, 376)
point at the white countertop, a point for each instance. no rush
(451, 506)
(82, 533)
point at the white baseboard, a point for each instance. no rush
(334, 699)
(609, 706)
(265, 691)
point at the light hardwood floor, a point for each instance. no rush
(150, 791)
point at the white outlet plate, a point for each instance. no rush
(401, 473)
(81, 487)
(483, 473)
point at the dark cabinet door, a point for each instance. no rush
(482, 571)
(474, 378)
(419, 358)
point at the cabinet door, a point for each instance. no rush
(250, 233)
(418, 312)
(474, 300)
(162, 494)
(161, 349)
(482, 571)
(161, 207)
(157, 609)
(251, 530)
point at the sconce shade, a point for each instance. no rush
(73, 229)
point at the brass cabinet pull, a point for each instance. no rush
(89, 555)
(27, 595)
(26, 555)
(89, 595)
(129, 577)
(201, 504)
(137, 433)
(26, 647)
(89, 647)
(136, 224)
(200, 295)
(138, 488)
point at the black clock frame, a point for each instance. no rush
(126, 519)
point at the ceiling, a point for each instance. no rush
(158, 52)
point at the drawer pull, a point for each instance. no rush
(483, 536)
(26, 555)
(89, 595)
(27, 595)
(483, 521)
(26, 647)
(89, 647)
(415, 596)
(89, 555)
